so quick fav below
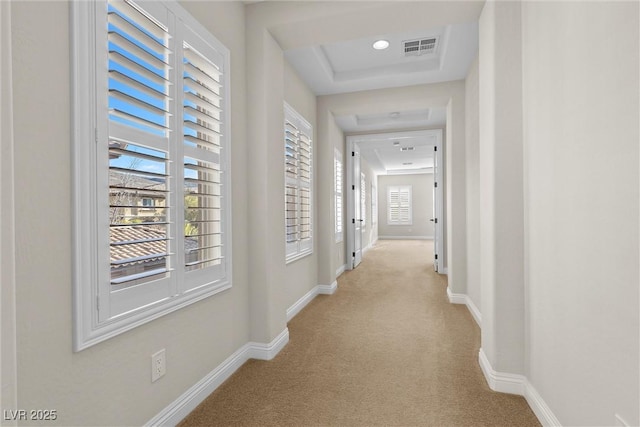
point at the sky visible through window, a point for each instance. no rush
(149, 102)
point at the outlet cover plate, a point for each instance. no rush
(158, 365)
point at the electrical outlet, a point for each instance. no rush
(158, 365)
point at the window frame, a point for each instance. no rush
(399, 189)
(300, 248)
(92, 322)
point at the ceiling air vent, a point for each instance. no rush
(420, 46)
(407, 148)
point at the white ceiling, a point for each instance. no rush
(399, 152)
(393, 120)
(353, 65)
(331, 49)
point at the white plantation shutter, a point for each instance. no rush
(203, 172)
(151, 89)
(139, 53)
(399, 205)
(298, 184)
(337, 163)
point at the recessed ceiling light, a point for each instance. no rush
(380, 44)
(394, 115)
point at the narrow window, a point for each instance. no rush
(399, 205)
(298, 155)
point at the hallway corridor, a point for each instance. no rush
(386, 349)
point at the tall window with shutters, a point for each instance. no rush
(399, 205)
(337, 173)
(298, 208)
(152, 208)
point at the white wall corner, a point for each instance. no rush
(268, 351)
(328, 289)
(520, 385)
(464, 299)
(309, 296)
(341, 270)
(500, 381)
(301, 303)
(540, 407)
(444, 271)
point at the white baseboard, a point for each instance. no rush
(520, 385)
(444, 271)
(328, 289)
(262, 351)
(540, 407)
(464, 299)
(309, 296)
(341, 270)
(405, 237)
(301, 303)
(189, 400)
(499, 381)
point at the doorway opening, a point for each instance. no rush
(403, 155)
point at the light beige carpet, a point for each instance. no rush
(386, 349)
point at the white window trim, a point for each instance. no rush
(399, 188)
(338, 190)
(88, 329)
(300, 249)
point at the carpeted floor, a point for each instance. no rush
(386, 349)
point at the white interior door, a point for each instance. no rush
(354, 225)
(438, 203)
(356, 220)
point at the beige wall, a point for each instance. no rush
(501, 184)
(421, 201)
(581, 138)
(472, 160)
(8, 362)
(110, 382)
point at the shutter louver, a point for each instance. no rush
(139, 105)
(138, 70)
